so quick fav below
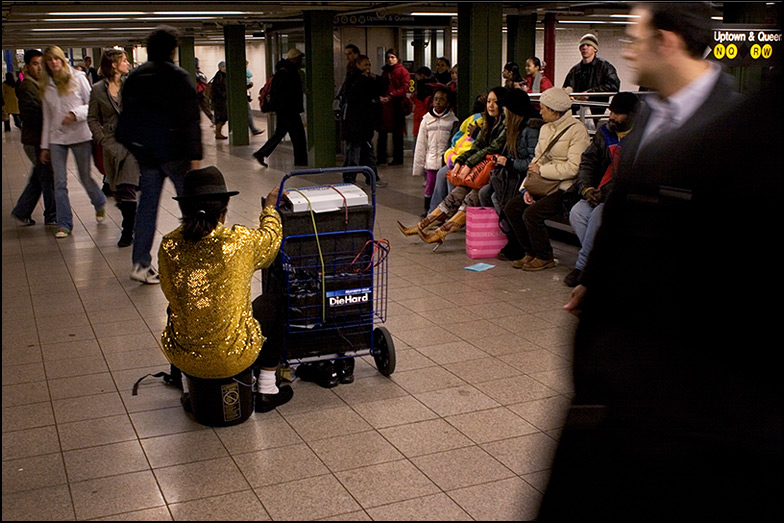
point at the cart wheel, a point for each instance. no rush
(384, 351)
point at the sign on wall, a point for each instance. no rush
(746, 45)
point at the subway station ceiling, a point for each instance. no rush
(103, 24)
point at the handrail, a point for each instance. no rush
(584, 104)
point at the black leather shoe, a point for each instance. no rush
(268, 402)
(573, 278)
(260, 158)
(345, 370)
(322, 372)
(185, 400)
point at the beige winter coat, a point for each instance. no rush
(562, 161)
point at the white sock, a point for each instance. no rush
(266, 383)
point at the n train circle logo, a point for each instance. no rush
(719, 51)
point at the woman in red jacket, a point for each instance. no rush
(393, 117)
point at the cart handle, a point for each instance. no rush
(330, 170)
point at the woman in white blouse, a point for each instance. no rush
(65, 102)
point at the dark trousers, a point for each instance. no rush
(290, 123)
(359, 154)
(40, 183)
(397, 147)
(527, 222)
(268, 309)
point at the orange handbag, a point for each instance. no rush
(477, 178)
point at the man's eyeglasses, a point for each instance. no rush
(632, 41)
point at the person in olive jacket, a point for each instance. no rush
(41, 181)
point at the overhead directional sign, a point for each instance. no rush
(746, 45)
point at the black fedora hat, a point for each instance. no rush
(204, 183)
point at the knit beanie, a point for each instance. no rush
(591, 40)
(624, 103)
(556, 99)
(518, 102)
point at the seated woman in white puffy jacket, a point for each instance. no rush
(435, 132)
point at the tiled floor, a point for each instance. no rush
(464, 429)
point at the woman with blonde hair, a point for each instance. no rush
(120, 166)
(65, 101)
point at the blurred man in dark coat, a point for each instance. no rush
(677, 411)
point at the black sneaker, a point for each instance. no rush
(260, 158)
(345, 370)
(322, 372)
(573, 278)
(23, 222)
(268, 402)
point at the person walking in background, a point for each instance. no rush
(248, 86)
(160, 125)
(220, 100)
(286, 97)
(122, 170)
(393, 118)
(203, 92)
(41, 181)
(677, 409)
(65, 101)
(92, 74)
(11, 103)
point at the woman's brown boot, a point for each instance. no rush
(434, 218)
(438, 235)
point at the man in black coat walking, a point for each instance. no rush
(287, 102)
(677, 412)
(160, 125)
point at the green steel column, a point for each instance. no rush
(188, 56)
(748, 80)
(319, 79)
(478, 51)
(234, 44)
(520, 39)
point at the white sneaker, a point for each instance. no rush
(100, 216)
(62, 233)
(144, 274)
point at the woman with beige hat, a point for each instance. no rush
(562, 141)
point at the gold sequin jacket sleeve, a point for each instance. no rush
(211, 332)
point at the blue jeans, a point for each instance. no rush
(585, 220)
(151, 178)
(40, 182)
(441, 189)
(59, 156)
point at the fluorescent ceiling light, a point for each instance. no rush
(80, 29)
(433, 14)
(195, 19)
(592, 22)
(195, 13)
(83, 19)
(103, 13)
(720, 18)
(624, 16)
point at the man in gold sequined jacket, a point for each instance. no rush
(206, 273)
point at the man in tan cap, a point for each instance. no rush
(592, 74)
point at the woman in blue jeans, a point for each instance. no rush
(65, 102)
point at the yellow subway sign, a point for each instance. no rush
(745, 45)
